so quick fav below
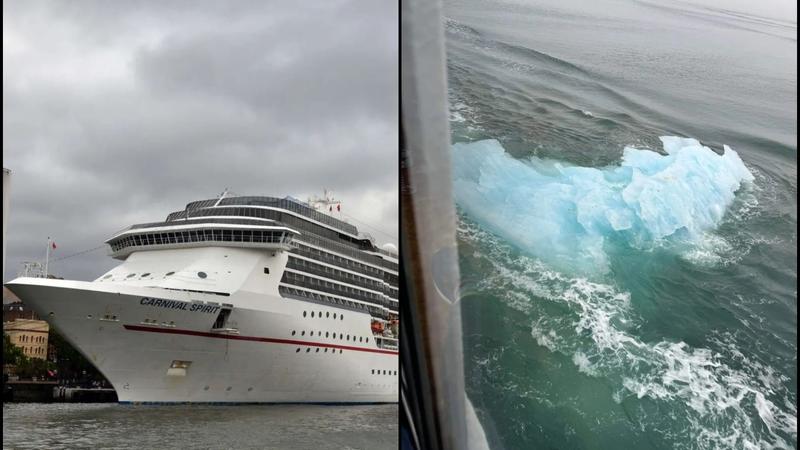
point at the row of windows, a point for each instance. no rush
(33, 350)
(335, 246)
(200, 274)
(336, 260)
(385, 372)
(327, 315)
(278, 216)
(308, 350)
(35, 339)
(330, 272)
(290, 206)
(333, 288)
(338, 242)
(301, 294)
(178, 237)
(341, 336)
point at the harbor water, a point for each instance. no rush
(114, 426)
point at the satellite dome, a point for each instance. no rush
(389, 248)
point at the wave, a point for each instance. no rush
(706, 398)
(568, 215)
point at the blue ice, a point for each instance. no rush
(565, 214)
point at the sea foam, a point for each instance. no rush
(564, 214)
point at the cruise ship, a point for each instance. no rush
(237, 299)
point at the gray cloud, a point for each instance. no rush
(121, 112)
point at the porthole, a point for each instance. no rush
(298, 350)
(327, 314)
(228, 388)
(107, 277)
(334, 315)
(308, 350)
(359, 339)
(341, 336)
(302, 333)
(326, 350)
(326, 334)
(320, 314)
(317, 349)
(146, 274)
(384, 372)
(201, 274)
(169, 274)
(312, 314)
(348, 337)
(304, 313)
(311, 334)
(250, 389)
(341, 317)
(340, 351)
(205, 388)
(293, 332)
(131, 275)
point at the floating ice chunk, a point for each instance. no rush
(565, 214)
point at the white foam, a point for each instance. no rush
(728, 400)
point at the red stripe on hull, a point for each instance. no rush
(253, 338)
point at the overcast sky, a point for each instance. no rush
(117, 113)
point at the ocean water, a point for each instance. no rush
(113, 426)
(625, 174)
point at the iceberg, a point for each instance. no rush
(566, 214)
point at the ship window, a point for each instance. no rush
(312, 314)
(304, 313)
(107, 277)
(146, 274)
(327, 314)
(340, 351)
(348, 337)
(311, 334)
(266, 270)
(373, 371)
(302, 333)
(298, 350)
(326, 350)
(308, 350)
(317, 349)
(293, 332)
(326, 334)
(341, 336)
(131, 275)
(201, 274)
(169, 274)
(341, 317)
(334, 315)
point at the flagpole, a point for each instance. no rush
(47, 258)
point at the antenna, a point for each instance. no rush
(221, 196)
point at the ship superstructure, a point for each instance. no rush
(236, 299)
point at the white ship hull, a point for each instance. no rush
(134, 340)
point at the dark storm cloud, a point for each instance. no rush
(121, 112)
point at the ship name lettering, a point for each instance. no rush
(177, 304)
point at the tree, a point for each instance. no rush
(11, 353)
